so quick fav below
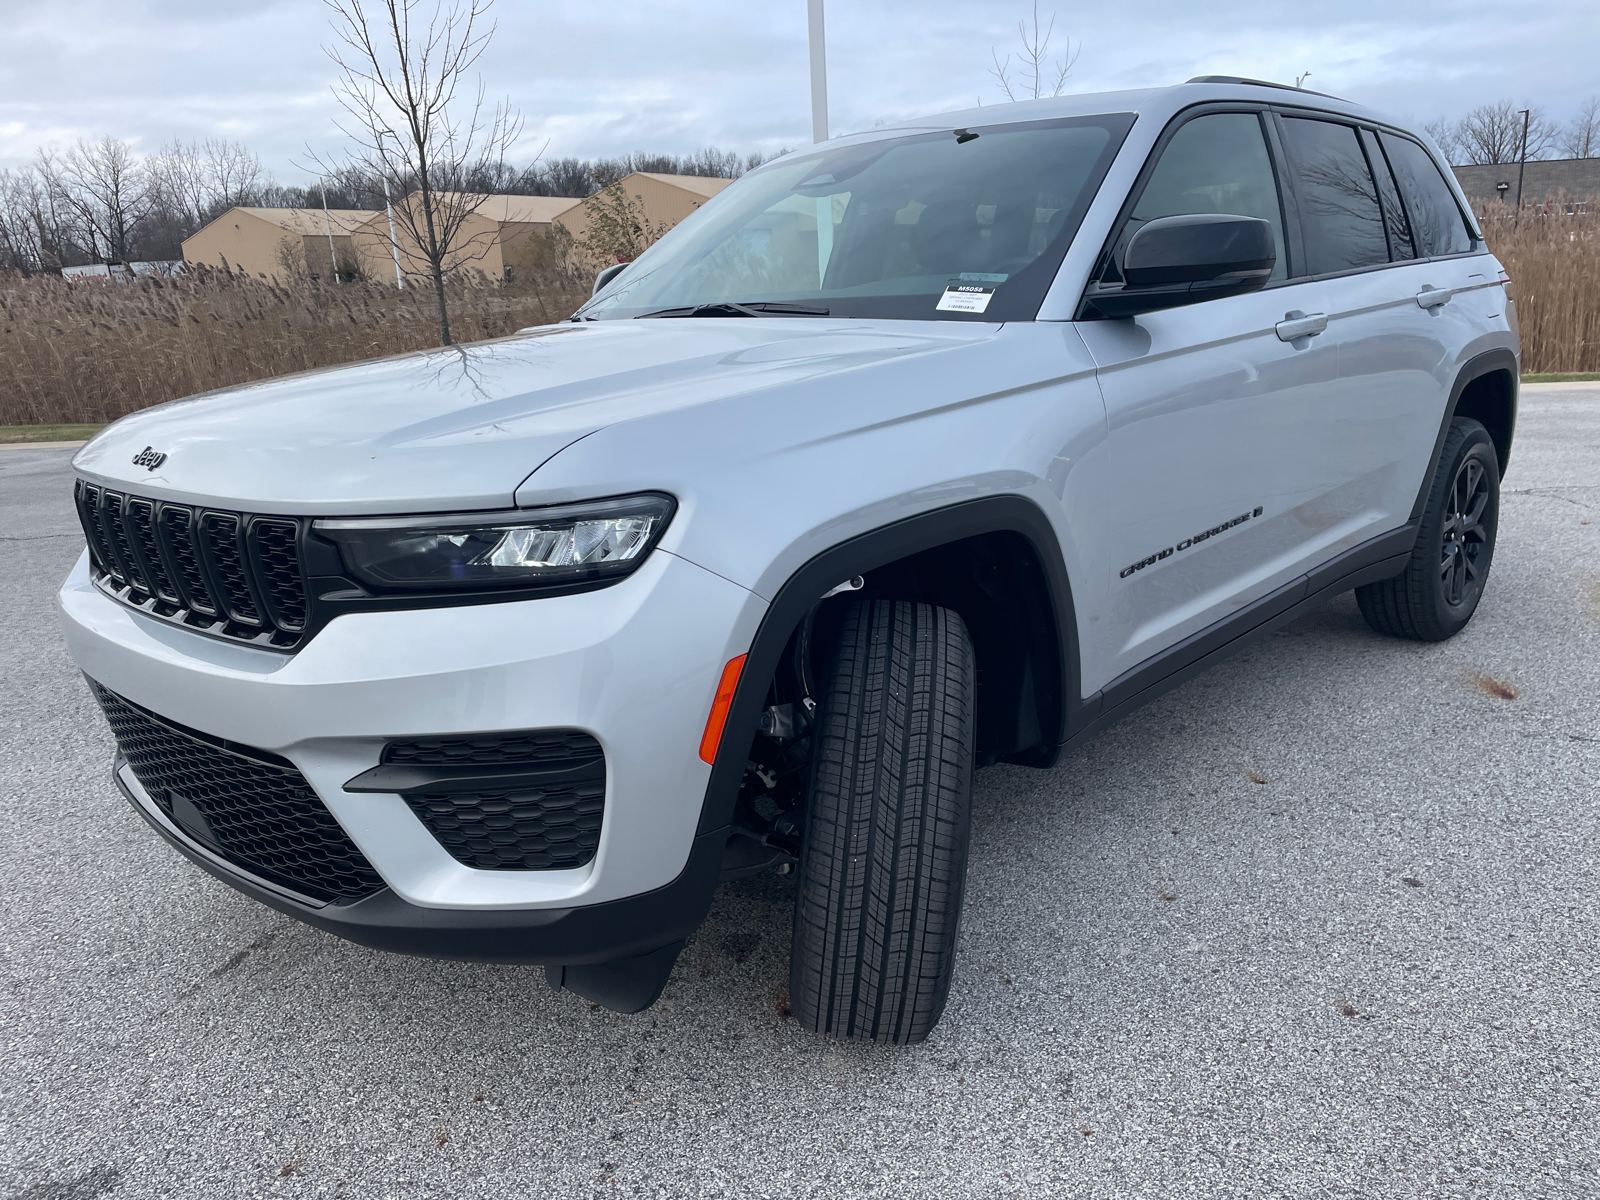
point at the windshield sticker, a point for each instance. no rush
(965, 297)
(981, 277)
(1133, 568)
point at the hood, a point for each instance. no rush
(461, 427)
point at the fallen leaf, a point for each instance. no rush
(1254, 778)
(1498, 688)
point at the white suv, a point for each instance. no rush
(920, 450)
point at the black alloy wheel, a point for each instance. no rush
(1437, 593)
(1464, 555)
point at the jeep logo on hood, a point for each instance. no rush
(149, 458)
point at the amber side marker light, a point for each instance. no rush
(719, 709)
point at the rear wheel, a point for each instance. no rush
(884, 860)
(1439, 590)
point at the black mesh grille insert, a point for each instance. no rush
(117, 534)
(527, 830)
(553, 746)
(250, 807)
(277, 558)
(175, 522)
(534, 826)
(94, 533)
(219, 536)
(140, 518)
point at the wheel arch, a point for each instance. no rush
(1485, 390)
(998, 562)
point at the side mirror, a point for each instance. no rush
(1183, 260)
(607, 276)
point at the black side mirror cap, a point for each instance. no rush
(606, 276)
(1182, 260)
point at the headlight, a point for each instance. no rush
(595, 541)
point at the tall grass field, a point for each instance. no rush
(91, 351)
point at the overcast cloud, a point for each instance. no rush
(601, 78)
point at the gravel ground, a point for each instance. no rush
(1319, 924)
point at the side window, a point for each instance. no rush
(1214, 164)
(1394, 212)
(1338, 199)
(1435, 215)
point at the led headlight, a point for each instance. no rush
(574, 543)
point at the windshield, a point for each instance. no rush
(964, 224)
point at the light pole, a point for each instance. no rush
(1522, 164)
(819, 131)
(383, 168)
(819, 72)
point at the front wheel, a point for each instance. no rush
(1439, 590)
(884, 860)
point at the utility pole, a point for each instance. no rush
(1522, 165)
(819, 72)
(399, 279)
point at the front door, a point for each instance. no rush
(1210, 489)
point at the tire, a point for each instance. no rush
(1437, 593)
(884, 861)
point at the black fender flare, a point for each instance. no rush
(1477, 367)
(857, 556)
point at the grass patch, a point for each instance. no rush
(48, 433)
(1563, 377)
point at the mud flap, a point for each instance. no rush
(624, 985)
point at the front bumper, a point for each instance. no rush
(590, 933)
(635, 665)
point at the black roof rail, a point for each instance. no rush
(1288, 87)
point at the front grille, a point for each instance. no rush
(249, 807)
(227, 574)
(532, 826)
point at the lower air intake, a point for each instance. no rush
(247, 806)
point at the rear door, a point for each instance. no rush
(1208, 493)
(1390, 318)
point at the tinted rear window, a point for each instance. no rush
(1338, 200)
(1435, 216)
(1394, 212)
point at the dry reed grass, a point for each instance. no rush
(91, 352)
(1554, 264)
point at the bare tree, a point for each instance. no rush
(1492, 133)
(107, 191)
(1581, 139)
(1037, 75)
(399, 80)
(1443, 131)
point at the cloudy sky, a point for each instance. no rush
(616, 75)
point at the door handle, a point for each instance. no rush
(1432, 297)
(1297, 324)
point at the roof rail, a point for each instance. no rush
(1288, 87)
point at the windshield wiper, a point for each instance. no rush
(727, 308)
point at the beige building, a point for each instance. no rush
(664, 199)
(277, 243)
(489, 236)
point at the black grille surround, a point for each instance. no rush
(524, 801)
(251, 808)
(226, 574)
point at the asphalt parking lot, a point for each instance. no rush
(1322, 923)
